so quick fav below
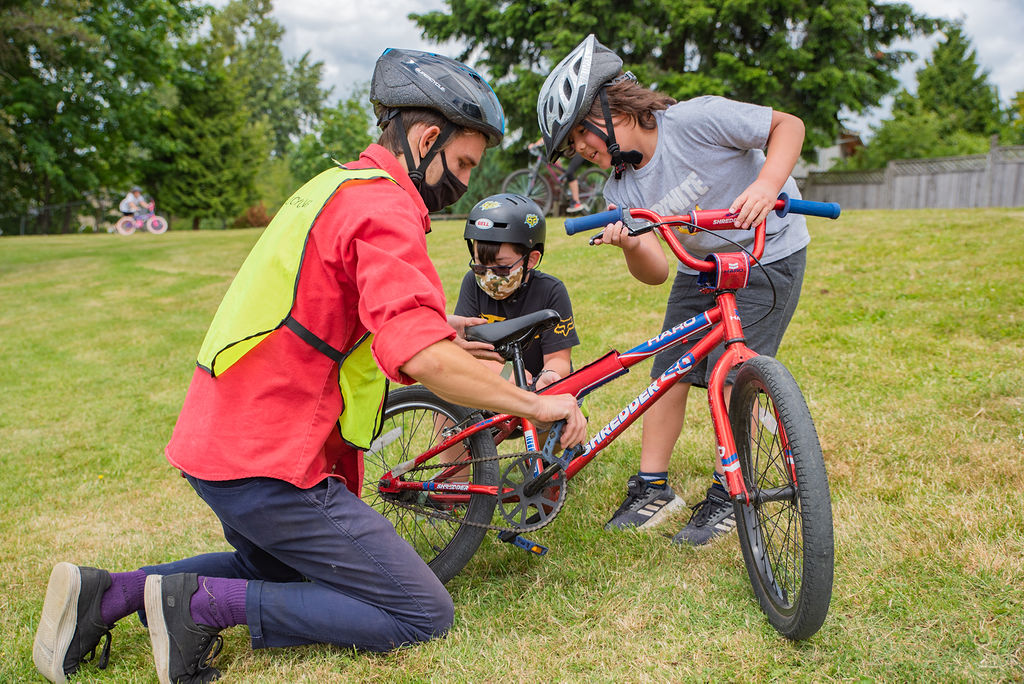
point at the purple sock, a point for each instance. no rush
(219, 602)
(125, 596)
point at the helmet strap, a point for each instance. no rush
(417, 175)
(620, 158)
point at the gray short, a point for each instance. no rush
(764, 337)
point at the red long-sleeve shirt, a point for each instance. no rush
(274, 412)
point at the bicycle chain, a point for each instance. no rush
(440, 515)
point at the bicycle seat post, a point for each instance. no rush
(518, 365)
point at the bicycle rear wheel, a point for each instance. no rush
(530, 184)
(786, 532)
(592, 190)
(414, 418)
(125, 225)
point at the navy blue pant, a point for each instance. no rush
(366, 586)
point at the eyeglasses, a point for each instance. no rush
(500, 271)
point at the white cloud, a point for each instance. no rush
(993, 28)
(348, 37)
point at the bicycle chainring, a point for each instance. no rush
(548, 502)
(529, 511)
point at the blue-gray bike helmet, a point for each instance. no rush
(413, 78)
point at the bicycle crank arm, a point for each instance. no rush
(534, 486)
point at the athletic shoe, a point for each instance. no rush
(70, 628)
(711, 518)
(575, 208)
(182, 650)
(644, 505)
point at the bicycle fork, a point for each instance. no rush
(736, 352)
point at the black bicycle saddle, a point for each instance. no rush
(504, 333)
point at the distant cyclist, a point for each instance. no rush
(570, 177)
(134, 202)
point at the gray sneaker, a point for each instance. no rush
(712, 518)
(70, 628)
(644, 506)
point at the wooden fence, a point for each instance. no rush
(995, 179)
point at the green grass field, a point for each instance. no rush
(909, 346)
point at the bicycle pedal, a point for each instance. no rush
(527, 545)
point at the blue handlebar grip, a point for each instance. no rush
(593, 221)
(797, 206)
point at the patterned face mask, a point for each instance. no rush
(500, 287)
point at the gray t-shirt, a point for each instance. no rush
(709, 150)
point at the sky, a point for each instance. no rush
(350, 36)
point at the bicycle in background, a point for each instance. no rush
(546, 184)
(126, 225)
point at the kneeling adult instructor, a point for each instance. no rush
(287, 390)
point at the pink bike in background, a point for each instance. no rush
(126, 225)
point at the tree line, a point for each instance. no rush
(196, 104)
(200, 106)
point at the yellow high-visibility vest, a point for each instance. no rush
(261, 297)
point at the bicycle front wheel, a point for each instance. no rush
(156, 225)
(786, 531)
(415, 419)
(530, 184)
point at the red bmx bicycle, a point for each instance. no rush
(437, 473)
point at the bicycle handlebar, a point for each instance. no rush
(708, 219)
(829, 210)
(579, 224)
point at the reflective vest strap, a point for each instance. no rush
(312, 340)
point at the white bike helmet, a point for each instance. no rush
(569, 91)
(568, 94)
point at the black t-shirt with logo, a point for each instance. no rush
(541, 291)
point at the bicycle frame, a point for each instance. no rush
(722, 323)
(555, 170)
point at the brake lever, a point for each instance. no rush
(633, 226)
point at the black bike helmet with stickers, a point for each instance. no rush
(506, 218)
(568, 94)
(413, 78)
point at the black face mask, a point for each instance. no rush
(445, 192)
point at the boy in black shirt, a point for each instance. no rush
(505, 235)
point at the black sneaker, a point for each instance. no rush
(711, 518)
(644, 505)
(182, 649)
(70, 627)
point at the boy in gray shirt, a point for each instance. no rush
(708, 152)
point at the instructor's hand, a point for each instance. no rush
(480, 350)
(551, 408)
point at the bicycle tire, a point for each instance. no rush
(125, 225)
(787, 542)
(536, 187)
(409, 430)
(157, 225)
(592, 190)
